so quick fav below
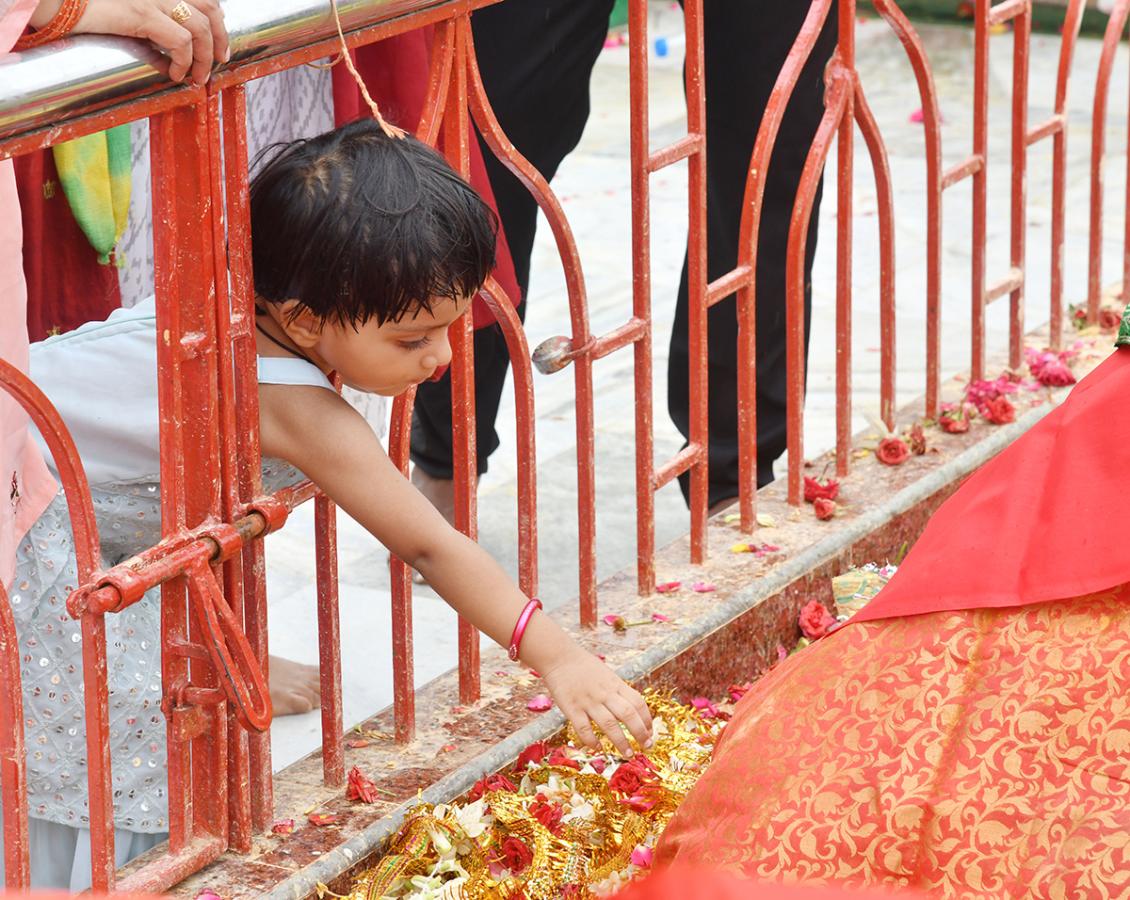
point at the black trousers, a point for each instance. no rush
(536, 57)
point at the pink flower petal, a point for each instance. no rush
(703, 587)
(668, 587)
(610, 619)
(208, 895)
(659, 617)
(642, 856)
(540, 703)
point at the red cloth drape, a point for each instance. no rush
(396, 73)
(66, 285)
(1046, 519)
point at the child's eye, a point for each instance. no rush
(415, 345)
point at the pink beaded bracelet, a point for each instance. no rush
(520, 626)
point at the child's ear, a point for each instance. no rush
(300, 324)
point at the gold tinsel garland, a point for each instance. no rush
(603, 836)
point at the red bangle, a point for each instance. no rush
(61, 24)
(520, 626)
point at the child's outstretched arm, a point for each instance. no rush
(334, 446)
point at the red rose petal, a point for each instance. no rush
(323, 819)
(283, 826)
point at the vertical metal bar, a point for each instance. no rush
(916, 53)
(239, 801)
(840, 91)
(846, 168)
(980, 184)
(242, 337)
(329, 641)
(884, 197)
(844, 293)
(403, 670)
(1114, 28)
(1072, 22)
(457, 149)
(697, 335)
(13, 755)
(187, 386)
(640, 149)
(1021, 38)
(747, 258)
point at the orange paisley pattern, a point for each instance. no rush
(978, 753)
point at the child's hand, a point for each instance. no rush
(587, 690)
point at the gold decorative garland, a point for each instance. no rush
(606, 841)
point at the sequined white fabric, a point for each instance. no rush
(127, 510)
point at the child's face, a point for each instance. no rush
(388, 359)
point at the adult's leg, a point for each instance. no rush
(746, 45)
(535, 57)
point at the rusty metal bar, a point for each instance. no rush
(631, 331)
(1011, 283)
(1008, 11)
(1115, 26)
(640, 159)
(1052, 126)
(732, 281)
(329, 641)
(690, 455)
(682, 148)
(967, 168)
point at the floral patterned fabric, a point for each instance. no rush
(978, 753)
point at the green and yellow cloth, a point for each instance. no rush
(95, 173)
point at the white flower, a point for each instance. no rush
(474, 818)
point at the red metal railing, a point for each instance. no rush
(210, 561)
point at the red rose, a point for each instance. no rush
(815, 489)
(534, 753)
(953, 420)
(491, 783)
(999, 411)
(514, 855)
(559, 758)
(632, 775)
(825, 509)
(549, 814)
(1109, 318)
(892, 452)
(815, 620)
(1055, 374)
(917, 440)
(360, 787)
(599, 764)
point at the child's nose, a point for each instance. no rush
(442, 352)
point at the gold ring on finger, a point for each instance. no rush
(181, 13)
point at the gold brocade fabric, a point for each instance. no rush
(982, 753)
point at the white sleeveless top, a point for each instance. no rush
(102, 378)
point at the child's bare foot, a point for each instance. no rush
(295, 688)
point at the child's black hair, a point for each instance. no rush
(358, 225)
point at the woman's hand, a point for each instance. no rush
(587, 691)
(193, 44)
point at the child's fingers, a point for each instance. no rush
(609, 723)
(580, 723)
(624, 710)
(638, 704)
